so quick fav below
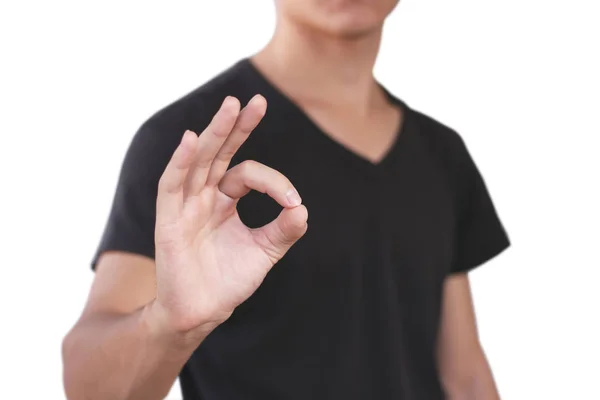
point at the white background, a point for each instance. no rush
(518, 79)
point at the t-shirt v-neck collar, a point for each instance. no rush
(281, 103)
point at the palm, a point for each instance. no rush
(208, 261)
(235, 263)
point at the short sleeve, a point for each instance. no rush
(480, 234)
(130, 223)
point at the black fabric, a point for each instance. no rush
(352, 311)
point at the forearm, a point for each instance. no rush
(124, 357)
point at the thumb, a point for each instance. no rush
(279, 235)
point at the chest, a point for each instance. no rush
(396, 221)
(370, 137)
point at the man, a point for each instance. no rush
(371, 302)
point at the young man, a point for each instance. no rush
(372, 303)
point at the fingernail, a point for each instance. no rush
(293, 198)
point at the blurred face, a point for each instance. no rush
(344, 18)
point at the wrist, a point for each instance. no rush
(161, 327)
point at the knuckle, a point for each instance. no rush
(226, 153)
(282, 181)
(248, 166)
(270, 247)
(286, 182)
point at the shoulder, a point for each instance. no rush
(443, 142)
(444, 149)
(195, 109)
(157, 137)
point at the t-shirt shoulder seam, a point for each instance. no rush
(436, 126)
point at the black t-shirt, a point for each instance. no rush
(353, 310)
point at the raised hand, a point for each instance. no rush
(207, 260)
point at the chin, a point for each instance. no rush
(352, 30)
(341, 18)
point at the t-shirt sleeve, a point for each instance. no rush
(130, 223)
(480, 234)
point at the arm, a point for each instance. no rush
(464, 370)
(144, 319)
(119, 349)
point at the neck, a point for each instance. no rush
(299, 60)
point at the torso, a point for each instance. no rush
(368, 130)
(370, 137)
(351, 312)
